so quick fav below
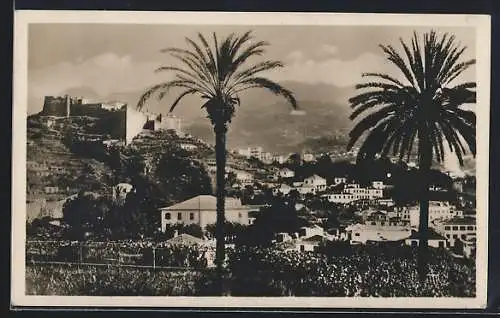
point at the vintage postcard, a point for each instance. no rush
(285, 160)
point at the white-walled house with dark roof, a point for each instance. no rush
(201, 210)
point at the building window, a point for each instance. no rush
(167, 216)
(470, 228)
(356, 234)
(179, 216)
(239, 215)
(463, 236)
(302, 248)
(462, 228)
(447, 228)
(455, 236)
(448, 235)
(191, 216)
(373, 223)
(455, 228)
(441, 244)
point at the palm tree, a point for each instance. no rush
(421, 110)
(217, 75)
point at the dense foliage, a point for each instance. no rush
(346, 272)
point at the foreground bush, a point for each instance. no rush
(66, 280)
(360, 271)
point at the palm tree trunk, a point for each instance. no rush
(425, 161)
(220, 157)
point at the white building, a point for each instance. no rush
(386, 202)
(306, 189)
(279, 159)
(286, 173)
(315, 181)
(201, 210)
(169, 122)
(378, 185)
(188, 146)
(244, 177)
(377, 231)
(245, 152)
(434, 239)
(112, 105)
(339, 198)
(308, 231)
(310, 244)
(283, 189)
(308, 157)
(121, 190)
(266, 158)
(458, 228)
(339, 180)
(438, 210)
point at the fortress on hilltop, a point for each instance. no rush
(118, 116)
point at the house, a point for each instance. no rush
(188, 146)
(315, 181)
(244, 177)
(308, 231)
(339, 198)
(279, 159)
(185, 240)
(245, 152)
(305, 189)
(283, 237)
(377, 232)
(339, 180)
(283, 189)
(378, 185)
(386, 202)
(201, 210)
(51, 189)
(305, 244)
(311, 243)
(434, 239)
(286, 173)
(121, 190)
(266, 157)
(256, 152)
(308, 157)
(438, 210)
(458, 229)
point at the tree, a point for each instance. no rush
(424, 108)
(217, 75)
(85, 212)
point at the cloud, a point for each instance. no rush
(106, 73)
(328, 49)
(294, 56)
(335, 71)
(297, 113)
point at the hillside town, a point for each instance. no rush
(256, 178)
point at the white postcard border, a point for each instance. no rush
(23, 18)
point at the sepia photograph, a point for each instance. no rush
(176, 159)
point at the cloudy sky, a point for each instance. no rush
(110, 58)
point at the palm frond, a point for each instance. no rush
(182, 95)
(271, 86)
(159, 89)
(367, 123)
(385, 77)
